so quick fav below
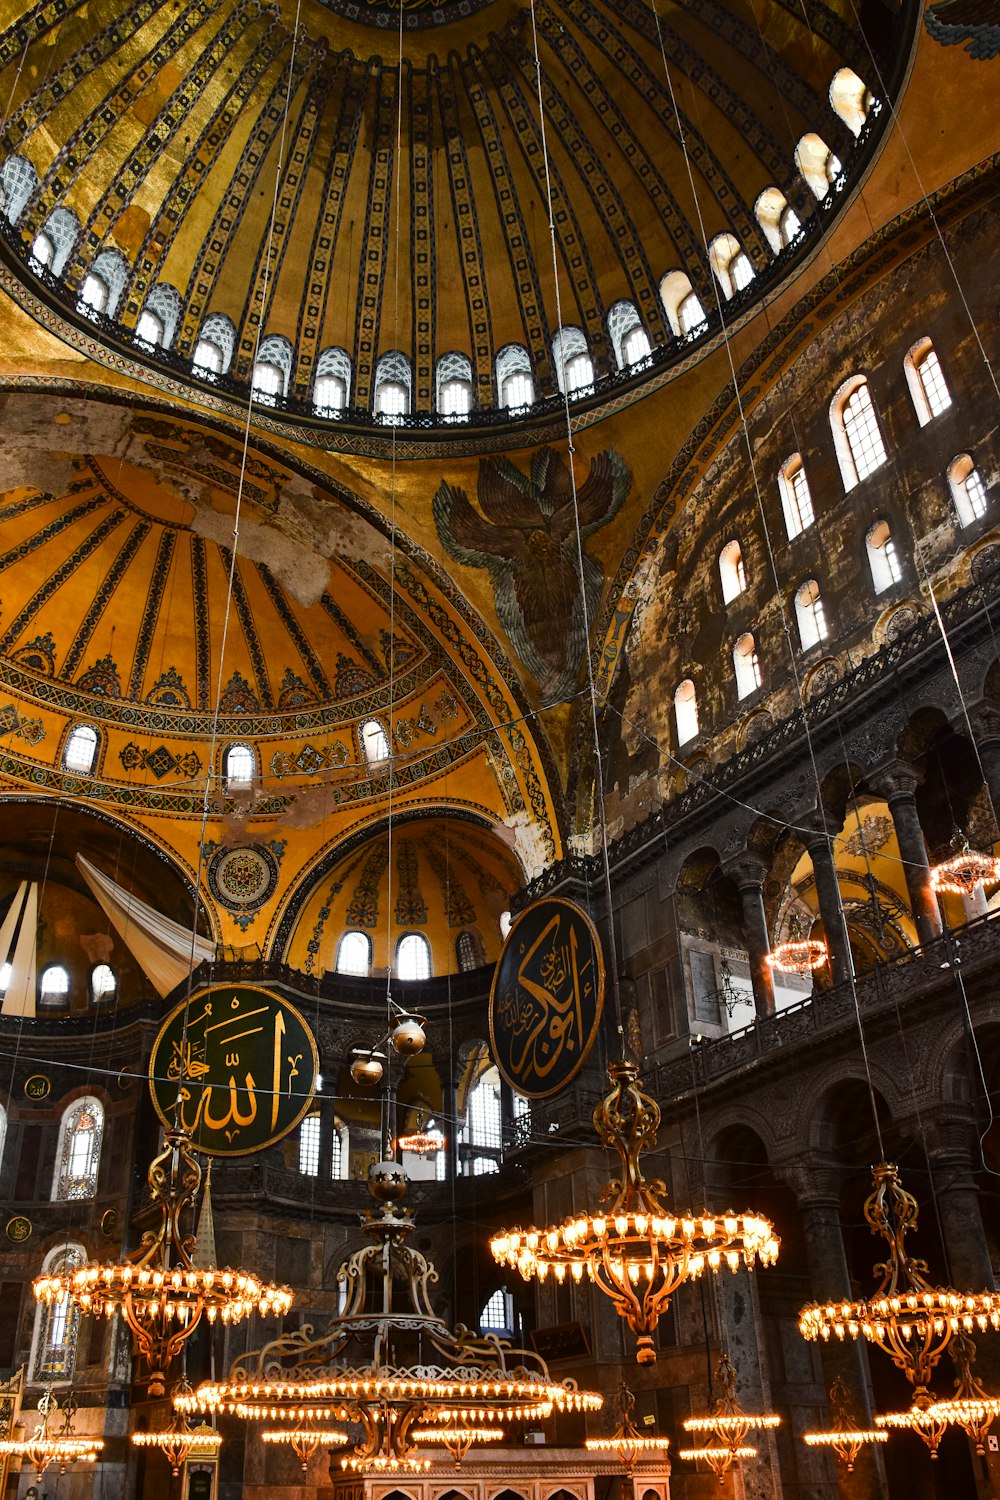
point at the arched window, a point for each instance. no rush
(332, 384)
(809, 614)
(746, 664)
(928, 388)
(18, 180)
(78, 1156)
(239, 765)
(481, 1136)
(309, 1139)
(340, 1160)
(57, 1324)
(3, 1132)
(454, 386)
(374, 742)
(104, 283)
(498, 1314)
(413, 957)
(392, 387)
(857, 436)
(354, 953)
(731, 264)
(160, 315)
(80, 751)
(686, 711)
(272, 369)
(883, 559)
(817, 163)
(572, 362)
(469, 950)
(967, 490)
(103, 983)
(53, 988)
(777, 218)
(851, 99)
(732, 572)
(515, 384)
(54, 244)
(213, 353)
(681, 304)
(629, 338)
(796, 501)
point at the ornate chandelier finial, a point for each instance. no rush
(637, 1251)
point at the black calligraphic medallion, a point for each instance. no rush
(246, 1068)
(547, 998)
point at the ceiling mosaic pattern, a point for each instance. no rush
(180, 113)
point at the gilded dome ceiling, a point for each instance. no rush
(302, 186)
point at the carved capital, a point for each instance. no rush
(748, 870)
(897, 778)
(814, 1179)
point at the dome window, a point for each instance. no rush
(104, 283)
(967, 490)
(883, 559)
(81, 749)
(810, 615)
(53, 990)
(213, 353)
(150, 328)
(95, 294)
(515, 383)
(272, 369)
(374, 743)
(629, 338)
(332, 386)
(53, 246)
(796, 501)
(573, 365)
(160, 315)
(686, 711)
(43, 250)
(928, 388)
(732, 572)
(851, 99)
(413, 957)
(454, 386)
(18, 181)
(857, 436)
(681, 304)
(239, 766)
(819, 166)
(103, 984)
(392, 387)
(469, 950)
(746, 665)
(354, 954)
(730, 262)
(777, 218)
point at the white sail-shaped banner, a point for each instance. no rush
(165, 950)
(17, 947)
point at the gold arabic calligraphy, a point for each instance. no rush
(542, 1009)
(206, 1061)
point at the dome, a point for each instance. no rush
(305, 210)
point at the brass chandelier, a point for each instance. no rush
(178, 1437)
(62, 1447)
(158, 1290)
(637, 1251)
(964, 870)
(799, 958)
(845, 1435)
(908, 1318)
(626, 1440)
(727, 1426)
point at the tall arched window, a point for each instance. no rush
(80, 751)
(340, 1145)
(481, 1136)
(928, 388)
(213, 353)
(309, 1139)
(746, 664)
(817, 163)
(731, 264)
(272, 369)
(681, 303)
(469, 950)
(18, 180)
(686, 711)
(851, 99)
(53, 987)
(497, 1315)
(103, 983)
(515, 384)
(857, 436)
(572, 362)
(413, 956)
(57, 1324)
(883, 559)
(967, 490)
(354, 953)
(796, 501)
(810, 614)
(732, 573)
(160, 315)
(78, 1156)
(392, 387)
(454, 386)
(54, 244)
(332, 383)
(239, 765)
(629, 338)
(104, 283)
(777, 218)
(374, 743)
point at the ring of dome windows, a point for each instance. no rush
(690, 315)
(861, 451)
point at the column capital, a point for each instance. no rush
(985, 720)
(747, 868)
(814, 1179)
(894, 779)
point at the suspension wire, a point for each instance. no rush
(581, 576)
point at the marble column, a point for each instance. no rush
(985, 719)
(950, 1144)
(831, 907)
(749, 872)
(897, 783)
